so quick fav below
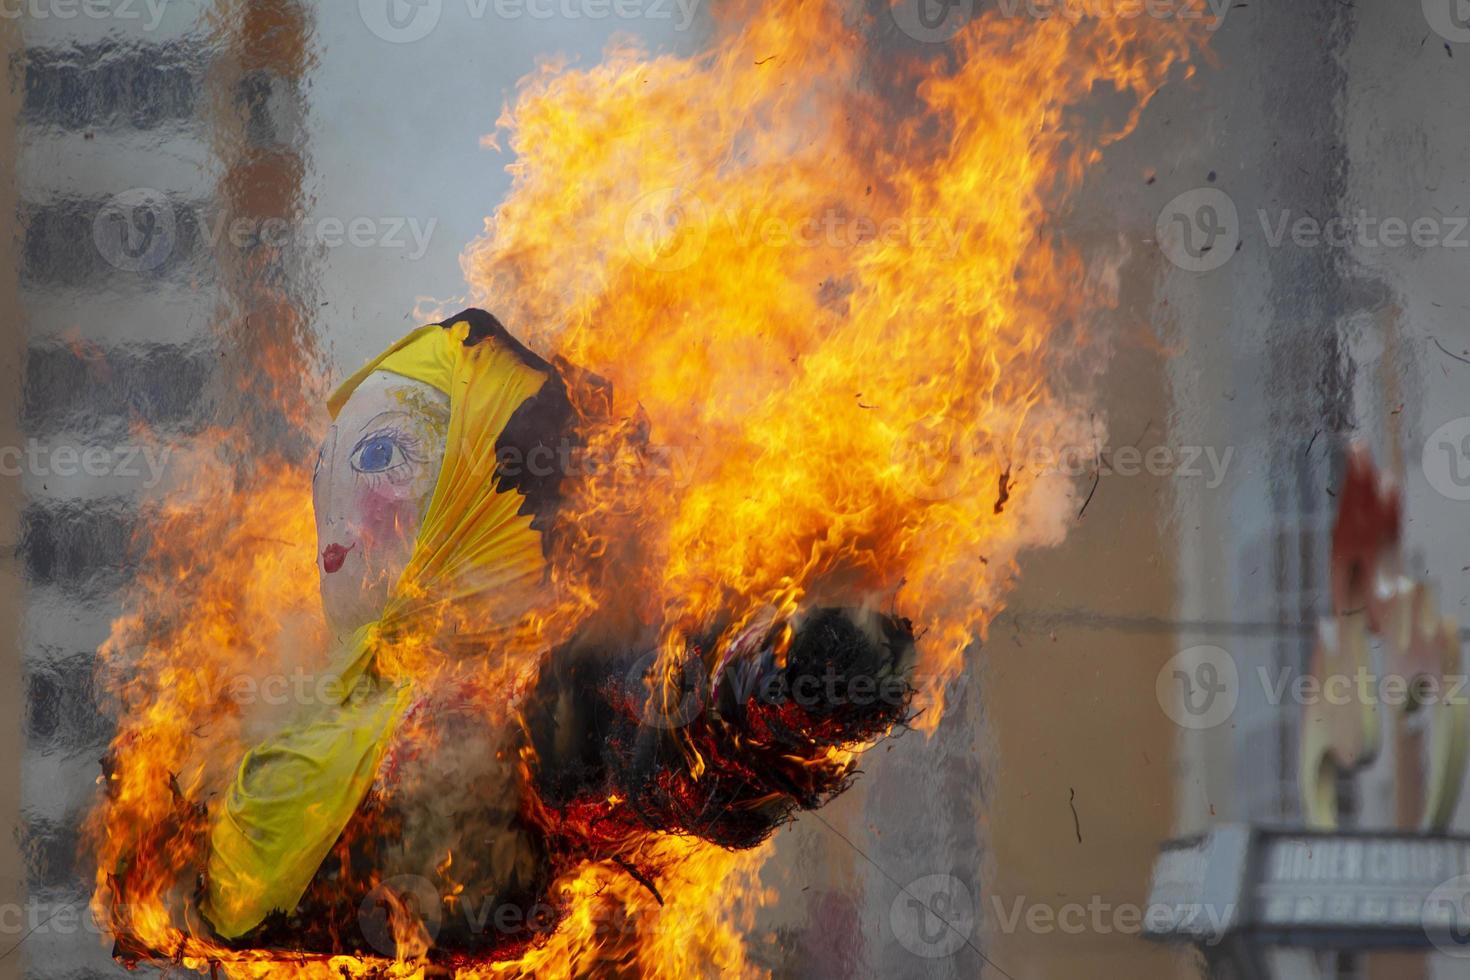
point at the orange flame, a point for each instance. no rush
(819, 270)
(825, 273)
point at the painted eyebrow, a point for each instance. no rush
(329, 440)
(389, 412)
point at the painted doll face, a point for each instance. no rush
(374, 478)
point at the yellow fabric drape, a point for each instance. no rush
(296, 792)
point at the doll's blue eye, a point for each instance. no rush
(374, 454)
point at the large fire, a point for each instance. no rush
(815, 264)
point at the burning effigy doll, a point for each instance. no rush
(431, 759)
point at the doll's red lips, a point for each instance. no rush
(333, 555)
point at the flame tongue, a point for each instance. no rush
(823, 271)
(820, 278)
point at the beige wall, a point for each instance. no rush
(1069, 679)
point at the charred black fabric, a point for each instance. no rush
(485, 325)
(847, 671)
(759, 728)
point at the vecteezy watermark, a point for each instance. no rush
(1211, 12)
(128, 11)
(933, 916)
(1450, 19)
(666, 701)
(1363, 230)
(751, 682)
(668, 230)
(935, 458)
(932, 21)
(1199, 230)
(37, 917)
(408, 234)
(135, 230)
(1099, 916)
(1362, 687)
(1207, 463)
(406, 21)
(138, 230)
(670, 464)
(127, 461)
(296, 687)
(938, 458)
(1445, 917)
(937, 21)
(1446, 459)
(672, 697)
(396, 905)
(1198, 688)
(408, 905)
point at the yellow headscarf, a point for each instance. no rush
(480, 538)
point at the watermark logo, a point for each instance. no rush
(1446, 459)
(934, 458)
(665, 229)
(1446, 917)
(131, 461)
(668, 230)
(1364, 230)
(1207, 463)
(135, 231)
(1362, 687)
(396, 907)
(1212, 12)
(403, 233)
(406, 21)
(938, 458)
(933, 21)
(401, 21)
(1450, 19)
(1199, 687)
(933, 916)
(620, 461)
(662, 706)
(67, 10)
(1099, 916)
(1199, 230)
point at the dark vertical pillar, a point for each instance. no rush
(12, 357)
(268, 350)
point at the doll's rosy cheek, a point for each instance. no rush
(387, 514)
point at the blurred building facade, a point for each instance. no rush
(1058, 770)
(140, 128)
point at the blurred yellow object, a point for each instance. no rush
(296, 791)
